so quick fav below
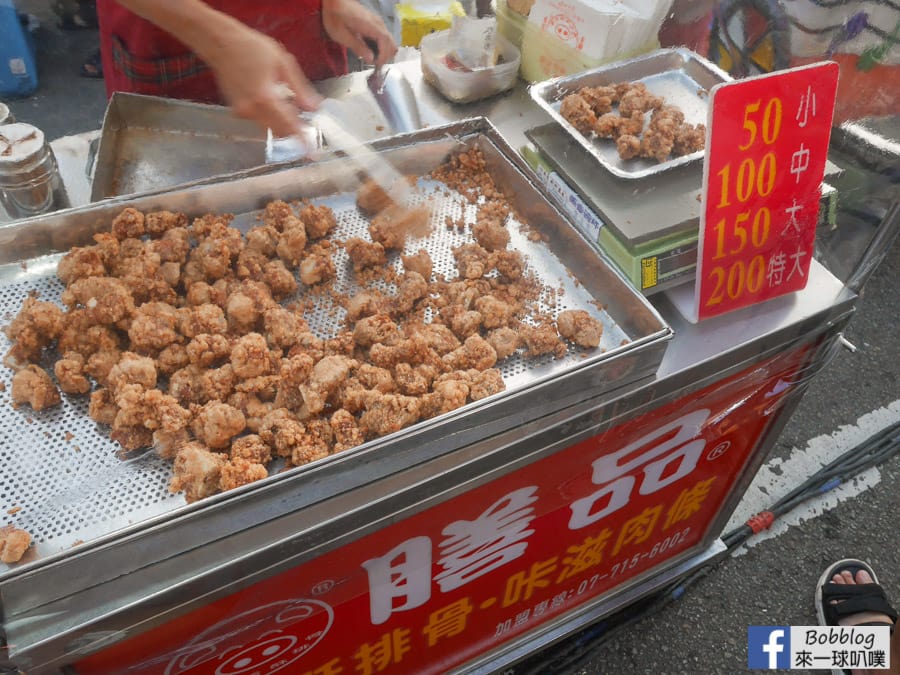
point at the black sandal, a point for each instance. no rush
(93, 66)
(839, 601)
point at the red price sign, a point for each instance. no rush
(767, 146)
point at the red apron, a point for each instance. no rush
(140, 58)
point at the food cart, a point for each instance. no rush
(459, 544)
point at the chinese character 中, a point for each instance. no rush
(688, 502)
(473, 548)
(585, 555)
(522, 585)
(403, 572)
(376, 657)
(638, 529)
(806, 102)
(798, 263)
(448, 621)
(792, 221)
(800, 162)
(776, 267)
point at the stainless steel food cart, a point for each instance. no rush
(461, 544)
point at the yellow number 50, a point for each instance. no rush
(771, 122)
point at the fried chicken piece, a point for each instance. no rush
(196, 471)
(279, 279)
(371, 198)
(34, 327)
(379, 328)
(173, 246)
(657, 145)
(263, 386)
(253, 408)
(689, 138)
(352, 396)
(608, 125)
(510, 264)
(419, 262)
(216, 423)
(32, 385)
(375, 378)
(669, 112)
(202, 293)
(207, 350)
(630, 126)
(153, 327)
(486, 383)
(346, 431)
(292, 241)
(215, 254)
(447, 395)
(462, 322)
(129, 224)
(579, 327)
(505, 342)
(317, 265)
(282, 327)
(237, 472)
(104, 299)
(80, 263)
(249, 264)
(168, 443)
(158, 223)
(436, 336)
(103, 408)
(246, 306)
(14, 542)
(628, 146)
(391, 225)
(277, 213)
(250, 356)
(495, 313)
(365, 303)
(540, 340)
(600, 99)
(199, 385)
(217, 383)
(99, 364)
(149, 408)
(326, 376)
(638, 100)
(387, 413)
(364, 254)
(475, 352)
(132, 369)
(263, 239)
(490, 234)
(472, 261)
(314, 441)
(341, 344)
(577, 112)
(80, 335)
(172, 358)
(69, 371)
(132, 438)
(318, 220)
(413, 350)
(141, 274)
(411, 288)
(251, 449)
(413, 381)
(280, 430)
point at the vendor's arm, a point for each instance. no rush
(247, 65)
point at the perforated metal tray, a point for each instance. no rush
(681, 76)
(61, 477)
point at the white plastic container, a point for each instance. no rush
(466, 86)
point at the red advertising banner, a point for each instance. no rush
(465, 576)
(767, 145)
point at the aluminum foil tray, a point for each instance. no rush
(64, 480)
(682, 77)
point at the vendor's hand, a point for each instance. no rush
(349, 23)
(253, 71)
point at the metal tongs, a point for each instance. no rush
(394, 95)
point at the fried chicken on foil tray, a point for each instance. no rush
(191, 337)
